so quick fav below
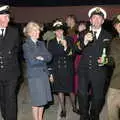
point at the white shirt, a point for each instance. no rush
(34, 40)
(4, 29)
(97, 32)
(58, 40)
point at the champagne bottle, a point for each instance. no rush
(62, 38)
(103, 55)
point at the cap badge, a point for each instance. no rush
(97, 10)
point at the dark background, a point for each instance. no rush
(58, 2)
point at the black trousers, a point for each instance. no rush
(8, 99)
(95, 78)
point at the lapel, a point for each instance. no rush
(55, 43)
(30, 42)
(101, 35)
(33, 46)
(3, 41)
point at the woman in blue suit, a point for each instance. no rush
(36, 56)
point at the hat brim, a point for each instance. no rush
(5, 12)
(116, 19)
(116, 22)
(95, 13)
(58, 28)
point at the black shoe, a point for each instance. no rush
(84, 118)
(75, 110)
(94, 118)
(63, 113)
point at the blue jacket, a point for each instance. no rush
(36, 68)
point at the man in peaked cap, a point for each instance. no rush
(9, 65)
(113, 98)
(91, 72)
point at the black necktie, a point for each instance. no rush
(59, 42)
(94, 35)
(2, 30)
(37, 43)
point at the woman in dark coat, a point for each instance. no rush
(36, 57)
(62, 65)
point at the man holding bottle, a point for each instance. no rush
(92, 70)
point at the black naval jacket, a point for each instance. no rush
(9, 51)
(61, 58)
(62, 65)
(93, 50)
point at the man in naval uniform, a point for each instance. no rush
(9, 65)
(91, 72)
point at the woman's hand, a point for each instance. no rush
(39, 58)
(64, 44)
(51, 78)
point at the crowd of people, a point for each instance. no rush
(79, 59)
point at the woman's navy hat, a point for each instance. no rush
(58, 25)
(4, 9)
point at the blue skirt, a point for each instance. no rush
(40, 91)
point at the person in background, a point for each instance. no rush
(36, 56)
(62, 65)
(72, 25)
(72, 31)
(92, 70)
(9, 65)
(82, 25)
(113, 97)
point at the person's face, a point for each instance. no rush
(96, 21)
(4, 20)
(70, 22)
(81, 27)
(117, 27)
(59, 33)
(34, 33)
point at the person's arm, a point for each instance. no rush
(30, 56)
(84, 39)
(46, 56)
(69, 46)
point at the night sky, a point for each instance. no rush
(58, 2)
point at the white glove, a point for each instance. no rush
(39, 58)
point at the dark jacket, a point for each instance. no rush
(61, 59)
(62, 65)
(9, 54)
(93, 50)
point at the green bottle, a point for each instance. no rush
(103, 57)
